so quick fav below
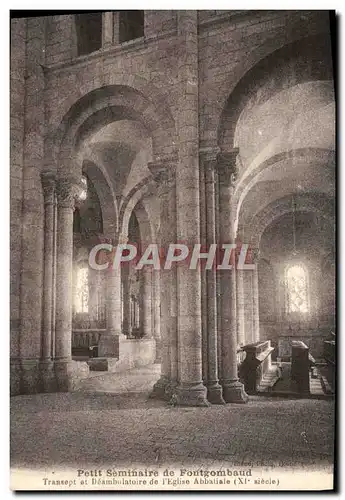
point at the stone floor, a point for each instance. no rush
(111, 420)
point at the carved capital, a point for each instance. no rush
(48, 183)
(163, 173)
(208, 161)
(68, 190)
(227, 168)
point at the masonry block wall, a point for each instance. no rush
(51, 84)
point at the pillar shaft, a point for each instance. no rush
(93, 295)
(156, 313)
(255, 284)
(109, 344)
(127, 320)
(164, 175)
(66, 193)
(114, 313)
(191, 390)
(147, 300)
(233, 390)
(48, 182)
(156, 304)
(214, 390)
(240, 308)
(107, 29)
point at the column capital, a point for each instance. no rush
(208, 161)
(163, 172)
(227, 168)
(68, 190)
(48, 180)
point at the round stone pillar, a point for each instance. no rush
(255, 285)
(94, 283)
(208, 158)
(127, 323)
(146, 274)
(66, 193)
(233, 390)
(48, 183)
(156, 312)
(108, 345)
(67, 190)
(240, 307)
(164, 175)
(190, 390)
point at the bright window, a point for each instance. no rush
(82, 291)
(297, 289)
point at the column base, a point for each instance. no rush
(233, 392)
(24, 376)
(15, 377)
(68, 374)
(163, 389)
(47, 373)
(215, 394)
(190, 395)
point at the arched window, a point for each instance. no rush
(131, 25)
(89, 32)
(82, 291)
(297, 290)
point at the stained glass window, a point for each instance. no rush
(82, 290)
(297, 289)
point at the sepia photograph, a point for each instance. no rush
(173, 250)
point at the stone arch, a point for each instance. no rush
(309, 202)
(100, 106)
(319, 155)
(106, 196)
(258, 68)
(131, 201)
(147, 233)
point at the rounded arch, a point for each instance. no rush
(310, 50)
(316, 155)
(100, 106)
(147, 232)
(131, 202)
(308, 202)
(103, 188)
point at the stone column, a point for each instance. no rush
(127, 320)
(156, 302)
(240, 307)
(107, 29)
(93, 295)
(208, 158)
(190, 390)
(108, 345)
(66, 193)
(233, 390)
(255, 284)
(48, 183)
(116, 27)
(146, 274)
(203, 273)
(164, 175)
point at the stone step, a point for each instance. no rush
(270, 379)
